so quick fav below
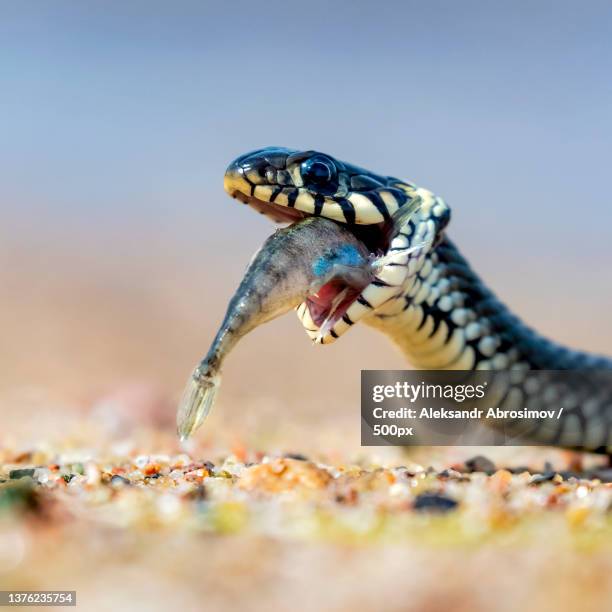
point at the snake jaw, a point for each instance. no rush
(326, 316)
(240, 182)
(275, 212)
(321, 314)
(381, 211)
(323, 310)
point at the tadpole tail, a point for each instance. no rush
(196, 402)
(201, 389)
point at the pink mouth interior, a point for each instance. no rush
(278, 213)
(320, 304)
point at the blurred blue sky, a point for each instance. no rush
(137, 107)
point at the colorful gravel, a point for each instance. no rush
(292, 497)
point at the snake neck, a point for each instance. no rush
(447, 318)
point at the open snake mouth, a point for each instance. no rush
(376, 237)
(287, 186)
(329, 304)
(276, 212)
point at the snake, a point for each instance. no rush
(429, 302)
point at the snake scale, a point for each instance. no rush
(429, 302)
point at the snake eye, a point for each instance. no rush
(317, 171)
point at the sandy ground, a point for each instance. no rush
(144, 565)
(155, 571)
(95, 360)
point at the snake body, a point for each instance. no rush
(429, 301)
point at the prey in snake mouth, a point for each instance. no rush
(360, 246)
(353, 239)
(287, 185)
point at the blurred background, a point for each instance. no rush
(119, 249)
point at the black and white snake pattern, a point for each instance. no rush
(426, 298)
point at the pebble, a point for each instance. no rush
(480, 463)
(210, 466)
(454, 474)
(545, 477)
(434, 502)
(520, 469)
(119, 481)
(296, 456)
(21, 473)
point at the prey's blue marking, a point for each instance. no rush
(346, 255)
